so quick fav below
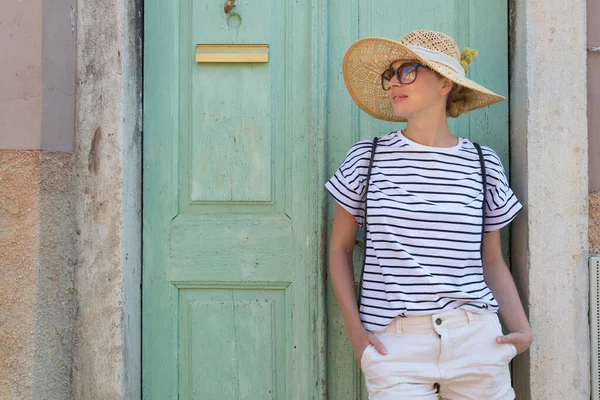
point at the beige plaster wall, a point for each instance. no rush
(36, 275)
(58, 68)
(19, 205)
(20, 74)
(37, 75)
(61, 213)
(55, 307)
(37, 227)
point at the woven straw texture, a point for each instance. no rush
(366, 59)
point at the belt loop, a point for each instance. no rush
(398, 326)
(469, 316)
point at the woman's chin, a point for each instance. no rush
(402, 114)
(405, 112)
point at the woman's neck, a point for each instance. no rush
(430, 132)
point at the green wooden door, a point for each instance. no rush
(479, 24)
(235, 297)
(232, 285)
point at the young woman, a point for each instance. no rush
(427, 324)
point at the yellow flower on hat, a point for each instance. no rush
(466, 58)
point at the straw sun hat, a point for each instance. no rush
(366, 60)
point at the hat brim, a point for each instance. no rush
(367, 58)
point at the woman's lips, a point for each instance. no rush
(399, 97)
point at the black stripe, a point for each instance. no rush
(417, 237)
(421, 229)
(420, 265)
(419, 211)
(425, 221)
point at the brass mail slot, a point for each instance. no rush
(232, 53)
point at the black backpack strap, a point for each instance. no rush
(362, 272)
(484, 180)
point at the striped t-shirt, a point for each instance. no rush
(424, 225)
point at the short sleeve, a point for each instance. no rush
(347, 185)
(502, 206)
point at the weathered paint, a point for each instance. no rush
(131, 192)
(233, 298)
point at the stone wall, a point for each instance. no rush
(107, 161)
(549, 173)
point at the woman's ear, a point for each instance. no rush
(447, 85)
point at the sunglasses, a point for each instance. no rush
(406, 74)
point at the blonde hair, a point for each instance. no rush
(457, 101)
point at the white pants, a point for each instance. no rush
(451, 355)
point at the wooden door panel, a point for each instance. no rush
(478, 24)
(231, 217)
(233, 137)
(220, 356)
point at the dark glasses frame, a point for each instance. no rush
(405, 73)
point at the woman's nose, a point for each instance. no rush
(395, 81)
